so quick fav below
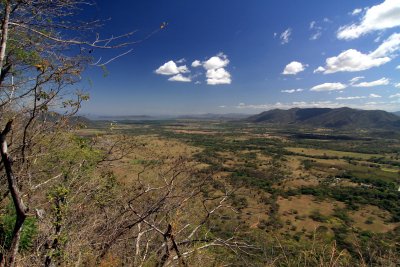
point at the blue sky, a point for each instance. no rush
(248, 56)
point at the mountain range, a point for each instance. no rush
(329, 118)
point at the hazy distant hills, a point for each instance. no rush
(397, 113)
(329, 118)
(212, 116)
(206, 116)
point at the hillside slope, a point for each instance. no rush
(330, 118)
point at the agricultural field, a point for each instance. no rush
(294, 186)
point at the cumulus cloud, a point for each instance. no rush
(179, 78)
(328, 87)
(291, 91)
(293, 68)
(379, 17)
(170, 68)
(216, 72)
(196, 63)
(218, 76)
(352, 60)
(382, 81)
(214, 66)
(285, 36)
(216, 62)
(397, 85)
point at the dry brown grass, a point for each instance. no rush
(377, 218)
(298, 209)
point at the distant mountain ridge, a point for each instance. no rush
(329, 118)
(205, 116)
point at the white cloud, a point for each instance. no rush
(328, 87)
(222, 106)
(287, 105)
(317, 30)
(316, 36)
(285, 36)
(196, 63)
(319, 69)
(291, 91)
(350, 98)
(395, 95)
(352, 60)
(216, 72)
(358, 97)
(397, 85)
(170, 68)
(218, 76)
(356, 79)
(374, 96)
(382, 81)
(388, 47)
(379, 17)
(356, 11)
(398, 67)
(216, 62)
(293, 68)
(179, 78)
(182, 60)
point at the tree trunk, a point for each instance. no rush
(20, 209)
(4, 33)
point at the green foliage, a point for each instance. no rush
(75, 150)
(106, 190)
(307, 164)
(7, 222)
(342, 215)
(58, 197)
(21, 54)
(317, 216)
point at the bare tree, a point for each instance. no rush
(43, 53)
(84, 215)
